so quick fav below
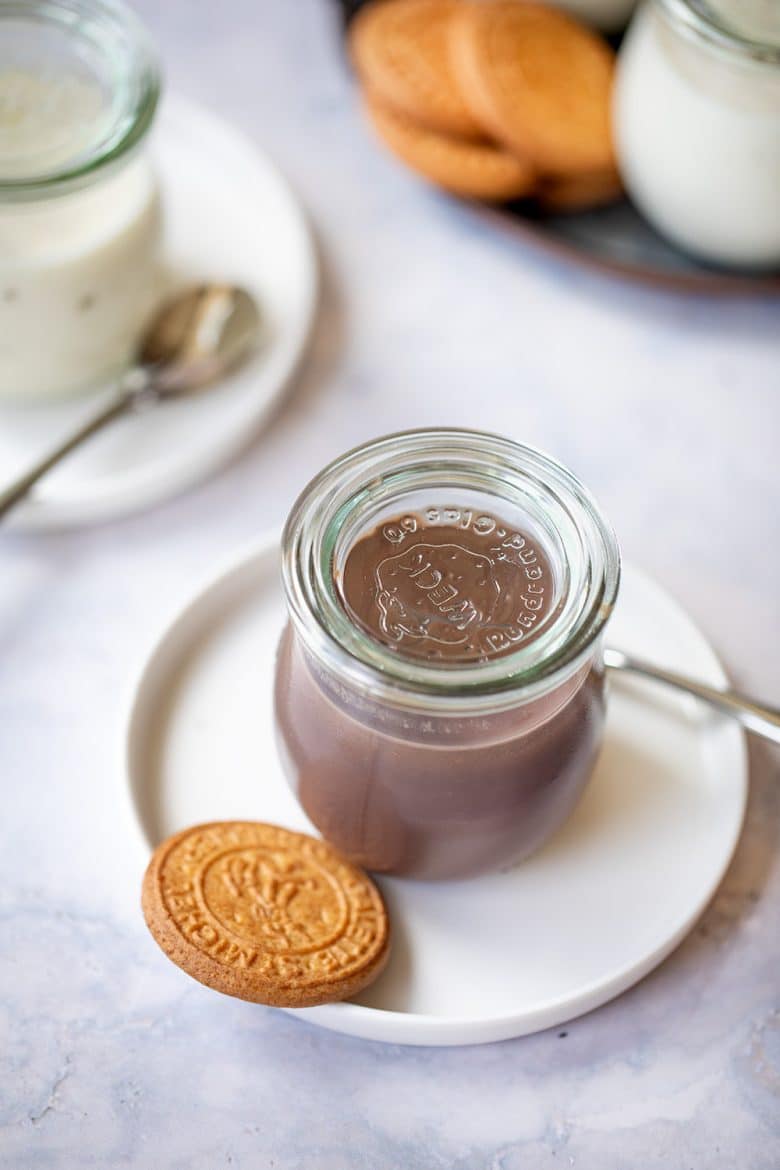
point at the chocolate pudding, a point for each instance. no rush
(448, 586)
(429, 795)
(439, 689)
(433, 797)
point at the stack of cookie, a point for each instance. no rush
(491, 99)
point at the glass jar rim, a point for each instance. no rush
(700, 22)
(134, 115)
(371, 472)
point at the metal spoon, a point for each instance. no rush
(193, 339)
(754, 716)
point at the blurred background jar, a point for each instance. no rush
(697, 125)
(80, 219)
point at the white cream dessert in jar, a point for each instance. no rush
(80, 220)
(697, 126)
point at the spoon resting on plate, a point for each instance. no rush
(191, 342)
(755, 717)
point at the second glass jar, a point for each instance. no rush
(80, 210)
(697, 125)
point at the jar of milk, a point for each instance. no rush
(697, 125)
(79, 205)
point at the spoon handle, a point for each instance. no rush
(16, 491)
(756, 717)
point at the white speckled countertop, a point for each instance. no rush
(670, 409)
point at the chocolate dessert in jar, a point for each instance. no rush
(439, 687)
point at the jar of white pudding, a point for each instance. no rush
(697, 125)
(79, 205)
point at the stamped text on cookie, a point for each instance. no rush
(258, 898)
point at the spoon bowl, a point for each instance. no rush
(197, 336)
(191, 342)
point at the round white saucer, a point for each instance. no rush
(613, 893)
(229, 215)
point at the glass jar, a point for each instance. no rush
(697, 125)
(432, 768)
(79, 204)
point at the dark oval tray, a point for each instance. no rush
(617, 240)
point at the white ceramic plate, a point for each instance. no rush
(229, 215)
(613, 893)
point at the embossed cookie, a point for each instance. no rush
(540, 82)
(265, 914)
(474, 170)
(401, 50)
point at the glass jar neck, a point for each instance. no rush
(79, 86)
(463, 473)
(742, 31)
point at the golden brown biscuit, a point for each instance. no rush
(265, 914)
(474, 170)
(580, 191)
(401, 50)
(538, 81)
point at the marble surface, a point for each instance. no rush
(669, 408)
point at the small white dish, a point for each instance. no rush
(229, 215)
(473, 961)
